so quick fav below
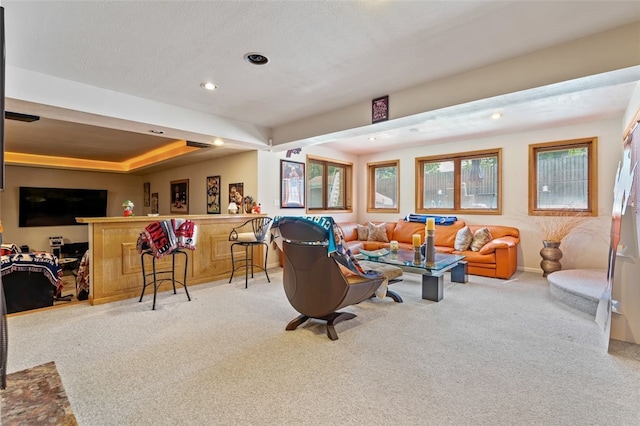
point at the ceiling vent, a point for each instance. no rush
(199, 144)
(27, 118)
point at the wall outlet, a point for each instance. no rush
(276, 203)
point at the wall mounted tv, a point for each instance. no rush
(60, 206)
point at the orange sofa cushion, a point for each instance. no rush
(404, 231)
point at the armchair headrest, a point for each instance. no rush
(304, 229)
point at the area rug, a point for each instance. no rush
(35, 396)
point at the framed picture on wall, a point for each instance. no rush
(236, 194)
(180, 196)
(154, 203)
(146, 188)
(213, 195)
(291, 184)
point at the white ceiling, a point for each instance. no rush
(324, 56)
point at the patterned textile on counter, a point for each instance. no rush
(82, 279)
(8, 249)
(422, 218)
(186, 233)
(45, 263)
(165, 236)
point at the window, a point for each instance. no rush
(383, 187)
(329, 185)
(468, 182)
(562, 177)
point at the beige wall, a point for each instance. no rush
(581, 251)
(260, 173)
(232, 169)
(120, 187)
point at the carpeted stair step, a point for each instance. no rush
(579, 288)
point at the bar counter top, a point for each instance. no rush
(115, 269)
(154, 218)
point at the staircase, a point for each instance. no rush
(578, 288)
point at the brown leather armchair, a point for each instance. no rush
(313, 281)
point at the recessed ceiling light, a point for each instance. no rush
(209, 86)
(371, 138)
(496, 115)
(157, 132)
(414, 130)
(255, 58)
(218, 142)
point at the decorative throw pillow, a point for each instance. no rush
(363, 233)
(378, 232)
(481, 237)
(464, 237)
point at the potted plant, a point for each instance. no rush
(554, 229)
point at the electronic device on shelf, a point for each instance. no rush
(56, 244)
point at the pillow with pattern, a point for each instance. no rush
(378, 232)
(464, 237)
(481, 237)
(363, 233)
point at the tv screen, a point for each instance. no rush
(60, 206)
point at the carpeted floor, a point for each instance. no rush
(35, 396)
(492, 352)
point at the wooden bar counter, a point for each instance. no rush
(115, 269)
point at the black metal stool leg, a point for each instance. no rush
(184, 282)
(155, 284)
(144, 277)
(233, 263)
(246, 267)
(266, 254)
(173, 271)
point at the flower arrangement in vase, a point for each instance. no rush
(554, 229)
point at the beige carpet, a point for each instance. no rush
(492, 352)
(35, 396)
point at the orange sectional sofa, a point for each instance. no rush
(497, 259)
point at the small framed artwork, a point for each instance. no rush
(213, 195)
(180, 196)
(380, 109)
(292, 184)
(236, 194)
(146, 188)
(154, 203)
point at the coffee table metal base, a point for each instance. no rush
(433, 286)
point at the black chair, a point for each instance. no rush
(249, 235)
(162, 275)
(313, 280)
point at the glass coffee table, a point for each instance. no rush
(432, 273)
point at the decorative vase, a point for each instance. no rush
(551, 255)
(417, 259)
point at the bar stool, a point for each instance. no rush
(160, 276)
(249, 235)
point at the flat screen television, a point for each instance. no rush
(60, 206)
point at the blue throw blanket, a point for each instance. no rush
(422, 218)
(332, 236)
(45, 263)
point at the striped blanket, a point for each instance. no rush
(165, 236)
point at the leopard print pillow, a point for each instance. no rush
(363, 233)
(481, 237)
(378, 232)
(464, 237)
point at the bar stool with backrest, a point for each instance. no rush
(157, 242)
(157, 276)
(250, 234)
